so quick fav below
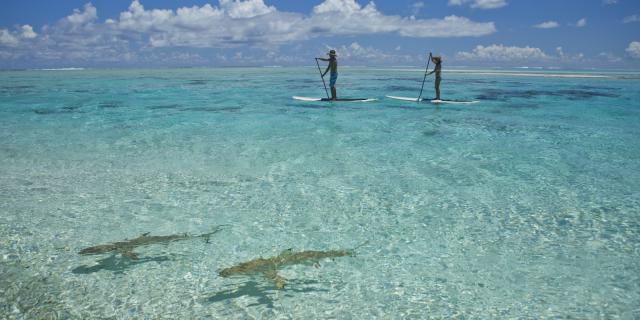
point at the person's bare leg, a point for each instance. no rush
(334, 95)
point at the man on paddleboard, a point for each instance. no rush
(333, 66)
(438, 61)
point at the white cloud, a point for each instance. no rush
(609, 2)
(355, 50)
(7, 39)
(232, 23)
(347, 17)
(80, 37)
(631, 18)
(416, 7)
(13, 38)
(480, 4)
(610, 57)
(634, 49)
(357, 53)
(7, 55)
(27, 32)
(567, 57)
(500, 53)
(176, 58)
(245, 9)
(342, 6)
(512, 55)
(450, 26)
(140, 20)
(78, 17)
(581, 23)
(251, 22)
(547, 25)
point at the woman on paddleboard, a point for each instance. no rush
(333, 66)
(438, 61)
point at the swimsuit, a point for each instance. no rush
(332, 80)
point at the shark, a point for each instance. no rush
(126, 247)
(268, 267)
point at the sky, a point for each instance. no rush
(570, 34)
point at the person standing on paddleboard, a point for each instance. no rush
(333, 66)
(438, 61)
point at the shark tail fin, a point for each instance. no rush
(353, 251)
(207, 236)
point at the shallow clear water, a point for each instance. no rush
(525, 204)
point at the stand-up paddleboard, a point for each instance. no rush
(432, 101)
(338, 100)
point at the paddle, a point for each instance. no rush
(323, 83)
(425, 77)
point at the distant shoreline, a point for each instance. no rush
(514, 72)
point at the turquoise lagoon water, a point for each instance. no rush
(524, 205)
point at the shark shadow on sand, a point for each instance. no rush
(126, 247)
(269, 267)
(117, 264)
(263, 293)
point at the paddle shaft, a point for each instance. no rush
(323, 83)
(425, 77)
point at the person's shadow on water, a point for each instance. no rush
(117, 264)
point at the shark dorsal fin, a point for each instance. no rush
(145, 234)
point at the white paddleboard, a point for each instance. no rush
(405, 98)
(339, 100)
(432, 101)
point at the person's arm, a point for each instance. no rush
(324, 59)
(434, 70)
(328, 68)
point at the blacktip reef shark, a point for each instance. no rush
(125, 248)
(269, 267)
